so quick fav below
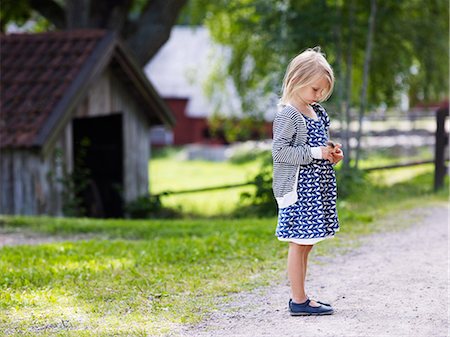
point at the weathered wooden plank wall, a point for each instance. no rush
(136, 141)
(30, 183)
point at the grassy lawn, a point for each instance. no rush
(149, 274)
(168, 174)
(141, 277)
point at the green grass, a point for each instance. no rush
(136, 277)
(385, 158)
(169, 174)
(151, 274)
(398, 175)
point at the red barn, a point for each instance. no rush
(180, 72)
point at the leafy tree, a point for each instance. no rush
(144, 24)
(408, 48)
(378, 50)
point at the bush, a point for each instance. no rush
(351, 181)
(262, 202)
(149, 206)
(251, 154)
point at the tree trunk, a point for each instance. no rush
(348, 88)
(153, 28)
(111, 14)
(339, 69)
(77, 13)
(144, 35)
(367, 58)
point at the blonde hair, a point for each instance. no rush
(303, 70)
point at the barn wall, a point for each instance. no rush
(29, 183)
(6, 183)
(136, 132)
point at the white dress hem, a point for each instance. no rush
(305, 241)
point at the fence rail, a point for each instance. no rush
(415, 163)
(439, 161)
(213, 188)
(204, 189)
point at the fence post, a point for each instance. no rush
(441, 143)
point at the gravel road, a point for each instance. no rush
(394, 284)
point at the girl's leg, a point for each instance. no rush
(305, 264)
(297, 263)
(305, 261)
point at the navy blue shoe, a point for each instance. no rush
(326, 304)
(304, 309)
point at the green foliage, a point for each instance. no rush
(191, 15)
(410, 48)
(75, 182)
(165, 152)
(235, 129)
(20, 12)
(352, 181)
(260, 202)
(252, 31)
(17, 11)
(254, 155)
(263, 35)
(149, 206)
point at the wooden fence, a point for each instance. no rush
(440, 168)
(441, 144)
(439, 161)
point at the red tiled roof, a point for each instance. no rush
(35, 72)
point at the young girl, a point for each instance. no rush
(304, 182)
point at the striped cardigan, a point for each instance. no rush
(289, 151)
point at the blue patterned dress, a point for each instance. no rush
(313, 217)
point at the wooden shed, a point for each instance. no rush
(71, 102)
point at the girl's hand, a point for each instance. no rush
(327, 153)
(336, 152)
(337, 155)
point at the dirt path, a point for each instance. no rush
(14, 237)
(395, 284)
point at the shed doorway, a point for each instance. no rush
(98, 164)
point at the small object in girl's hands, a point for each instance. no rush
(331, 144)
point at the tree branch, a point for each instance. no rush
(50, 10)
(153, 28)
